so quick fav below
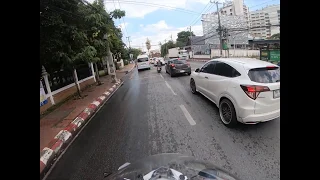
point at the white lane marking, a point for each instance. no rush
(187, 115)
(170, 88)
(161, 76)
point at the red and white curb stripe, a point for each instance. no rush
(56, 145)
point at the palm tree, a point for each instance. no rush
(148, 45)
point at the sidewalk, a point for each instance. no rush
(58, 119)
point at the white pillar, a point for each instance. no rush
(76, 78)
(46, 81)
(93, 73)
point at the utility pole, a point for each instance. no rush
(219, 28)
(171, 38)
(165, 47)
(190, 41)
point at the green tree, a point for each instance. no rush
(72, 32)
(135, 52)
(62, 35)
(166, 46)
(183, 37)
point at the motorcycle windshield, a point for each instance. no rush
(171, 166)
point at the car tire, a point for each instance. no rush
(189, 74)
(227, 113)
(171, 74)
(193, 86)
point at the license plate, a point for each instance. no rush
(276, 93)
(182, 71)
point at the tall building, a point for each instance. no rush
(235, 8)
(265, 22)
(234, 16)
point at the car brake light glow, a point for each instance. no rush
(253, 91)
(271, 67)
(172, 65)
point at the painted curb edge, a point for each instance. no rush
(63, 138)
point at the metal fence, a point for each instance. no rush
(59, 79)
(83, 71)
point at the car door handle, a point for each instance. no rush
(206, 77)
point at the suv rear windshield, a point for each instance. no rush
(179, 61)
(142, 59)
(265, 75)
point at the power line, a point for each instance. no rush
(261, 4)
(232, 30)
(124, 24)
(156, 5)
(203, 12)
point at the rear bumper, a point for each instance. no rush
(144, 67)
(257, 118)
(178, 71)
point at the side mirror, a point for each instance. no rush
(197, 70)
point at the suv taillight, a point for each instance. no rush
(253, 91)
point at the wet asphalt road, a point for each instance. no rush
(145, 117)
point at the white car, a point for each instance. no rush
(152, 60)
(245, 90)
(143, 62)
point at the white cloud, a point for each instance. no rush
(159, 32)
(140, 8)
(123, 25)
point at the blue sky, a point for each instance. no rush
(159, 19)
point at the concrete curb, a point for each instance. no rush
(131, 69)
(64, 137)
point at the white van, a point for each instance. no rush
(143, 62)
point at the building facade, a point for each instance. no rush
(265, 22)
(236, 25)
(236, 8)
(234, 16)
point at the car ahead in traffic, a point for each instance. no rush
(159, 59)
(143, 62)
(245, 90)
(152, 60)
(177, 66)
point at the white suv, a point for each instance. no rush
(245, 90)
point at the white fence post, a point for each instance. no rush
(76, 78)
(46, 81)
(93, 73)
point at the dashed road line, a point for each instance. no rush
(170, 88)
(187, 115)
